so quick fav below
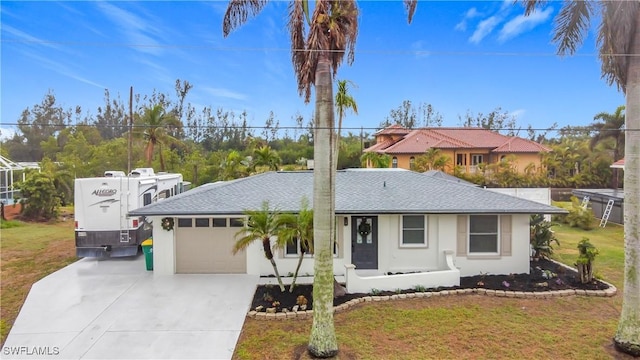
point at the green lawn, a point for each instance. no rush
(29, 252)
(609, 264)
(464, 326)
(468, 326)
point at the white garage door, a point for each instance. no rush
(202, 249)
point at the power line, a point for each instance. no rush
(372, 128)
(281, 49)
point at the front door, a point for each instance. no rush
(364, 242)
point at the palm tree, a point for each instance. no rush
(332, 30)
(260, 225)
(157, 125)
(265, 156)
(611, 127)
(619, 49)
(234, 166)
(432, 159)
(297, 228)
(344, 102)
(375, 160)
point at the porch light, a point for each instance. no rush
(346, 221)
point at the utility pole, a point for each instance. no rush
(130, 130)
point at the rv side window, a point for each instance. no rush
(202, 222)
(219, 222)
(185, 222)
(146, 199)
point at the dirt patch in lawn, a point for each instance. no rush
(544, 275)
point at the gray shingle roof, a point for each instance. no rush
(358, 191)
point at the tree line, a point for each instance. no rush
(211, 145)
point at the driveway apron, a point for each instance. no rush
(115, 309)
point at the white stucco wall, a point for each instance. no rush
(517, 263)
(257, 264)
(442, 235)
(163, 249)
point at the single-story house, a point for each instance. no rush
(387, 221)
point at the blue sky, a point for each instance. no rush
(458, 56)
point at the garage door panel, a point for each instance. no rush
(207, 251)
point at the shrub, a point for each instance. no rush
(579, 216)
(587, 254)
(541, 237)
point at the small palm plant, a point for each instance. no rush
(260, 225)
(541, 237)
(587, 254)
(297, 227)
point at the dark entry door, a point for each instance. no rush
(364, 242)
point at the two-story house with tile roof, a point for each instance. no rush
(465, 147)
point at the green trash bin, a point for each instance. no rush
(147, 249)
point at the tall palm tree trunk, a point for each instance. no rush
(627, 337)
(323, 342)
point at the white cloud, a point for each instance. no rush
(470, 14)
(225, 93)
(521, 24)
(418, 49)
(518, 113)
(138, 30)
(61, 68)
(484, 28)
(22, 36)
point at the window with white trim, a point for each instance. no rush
(394, 162)
(414, 231)
(484, 234)
(477, 159)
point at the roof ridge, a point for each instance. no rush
(451, 138)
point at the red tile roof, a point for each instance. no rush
(393, 130)
(618, 164)
(420, 140)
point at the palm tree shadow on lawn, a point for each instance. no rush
(544, 276)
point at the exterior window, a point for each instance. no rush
(293, 249)
(202, 222)
(236, 222)
(483, 234)
(394, 162)
(219, 222)
(146, 199)
(185, 222)
(413, 230)
(412, 163)
(461, 159)
(477, 159)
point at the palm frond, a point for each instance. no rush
(572, 24)
(618, 25)
(244, 241)
(531, 5)
(410, 6)
(238, 11)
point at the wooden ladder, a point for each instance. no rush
(607, 212)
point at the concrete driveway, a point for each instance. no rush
(115, 309)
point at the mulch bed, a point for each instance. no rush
(544, 275)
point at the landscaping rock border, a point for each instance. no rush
(308, 314)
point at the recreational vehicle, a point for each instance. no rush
(102, 226)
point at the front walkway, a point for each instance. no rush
(115, 309)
